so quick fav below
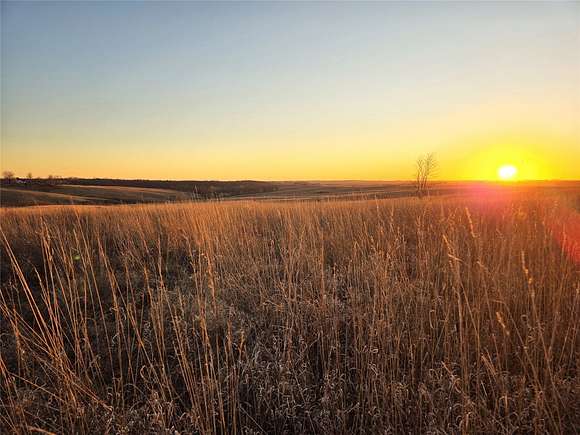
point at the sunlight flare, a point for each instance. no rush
(507, 172)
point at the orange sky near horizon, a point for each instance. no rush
(306, 91)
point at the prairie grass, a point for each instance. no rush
(387, 316)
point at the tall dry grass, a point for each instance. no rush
(438, 316)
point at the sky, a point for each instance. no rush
(290, 91)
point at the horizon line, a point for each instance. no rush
(330, 180)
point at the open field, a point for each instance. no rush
(13, 197)
(346, 190)
(290, 217)
(143, 191)
(456, 314)
(25, 192)
(71, 194)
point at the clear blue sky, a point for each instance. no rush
(189, 90)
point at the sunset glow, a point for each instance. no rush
(507, 172)
(290, 91)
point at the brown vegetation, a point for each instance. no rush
(96, 195)
(387, 316)
(18, 192)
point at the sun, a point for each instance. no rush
(507, 172)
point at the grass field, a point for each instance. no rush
(102, 191)
(72, 194)
(147, 191)
(442, 315)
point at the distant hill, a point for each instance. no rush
(23, 192)
(71, 194)
(13, 197)
(204, 189)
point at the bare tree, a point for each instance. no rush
(8, 176)
(425, 169)
(29, 175)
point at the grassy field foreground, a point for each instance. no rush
(391, 316)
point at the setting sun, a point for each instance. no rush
(507, 172)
